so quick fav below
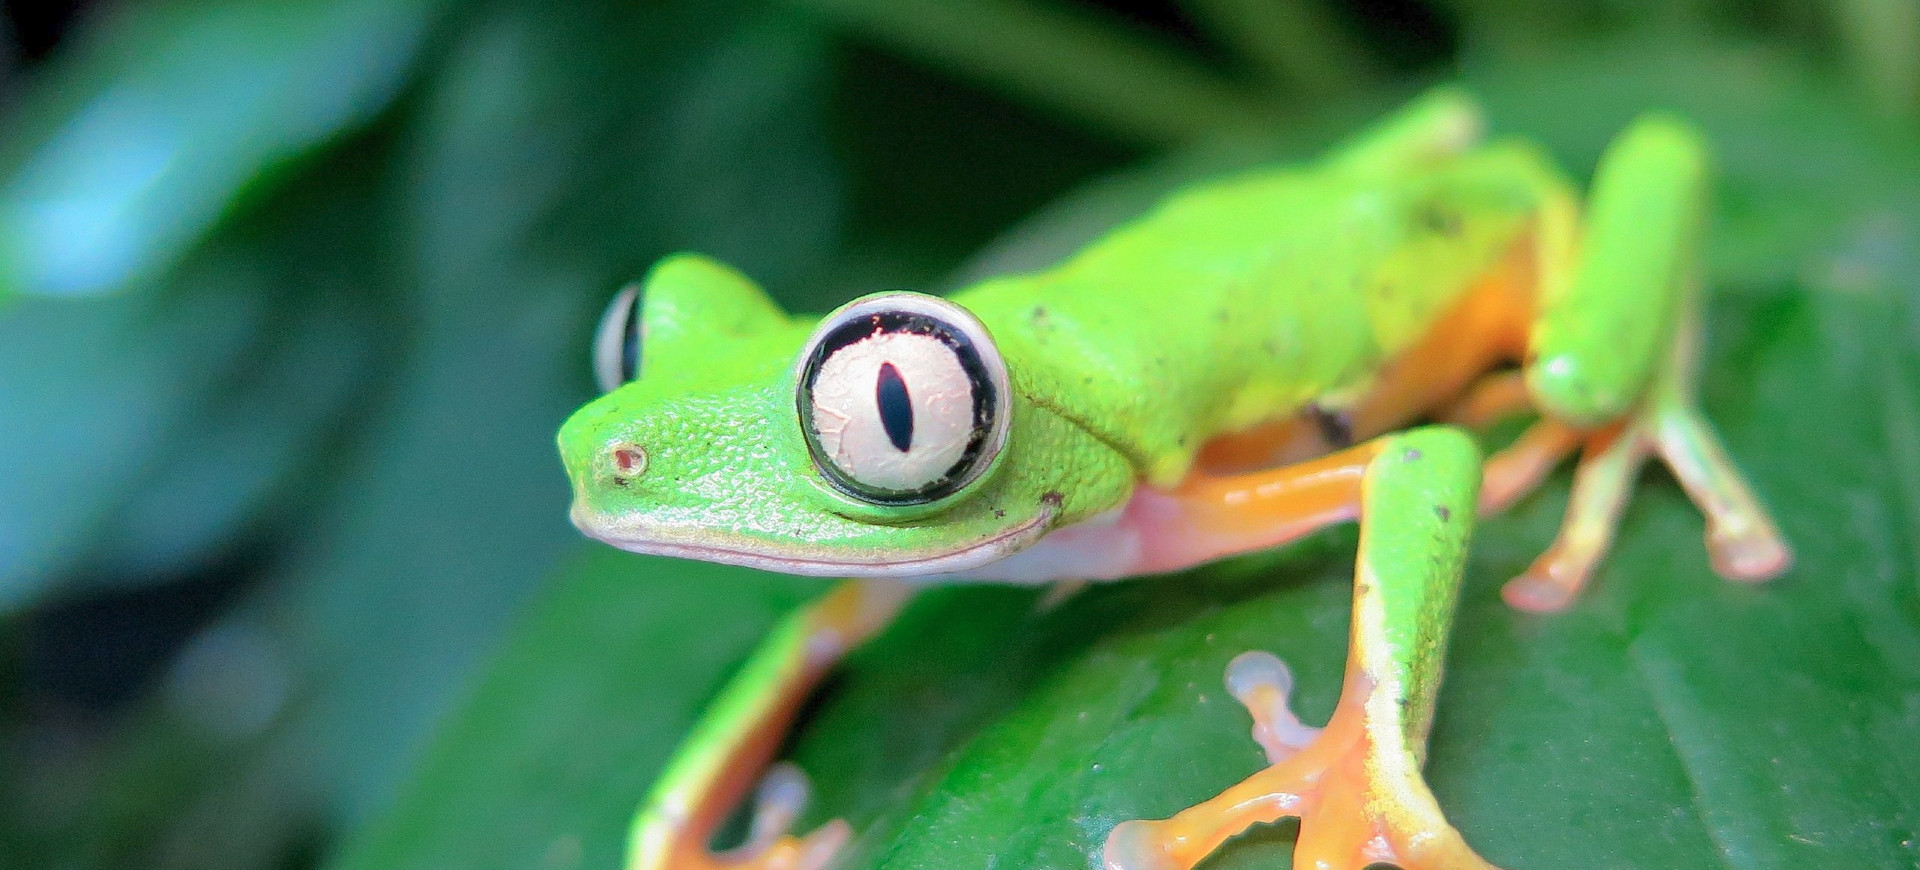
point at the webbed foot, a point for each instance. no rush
(1355, 785)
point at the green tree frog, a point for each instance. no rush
(1239, 367)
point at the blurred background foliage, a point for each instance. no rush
(293, 295)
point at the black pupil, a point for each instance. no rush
(896, 408)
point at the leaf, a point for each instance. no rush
(127, 368)
(145, 433)
(547, 803)
(1670, 719)
(549, 161)
(133, 145)
(1125, 83)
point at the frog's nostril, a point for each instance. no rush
(629, 460)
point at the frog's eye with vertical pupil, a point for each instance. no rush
(616, 344)
(902, 399)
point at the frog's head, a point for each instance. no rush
(891, 438)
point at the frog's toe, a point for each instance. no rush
(1140, 845)
(1360, 802)
(1747, 554)
(1539, 592)
(1262, 683)
(1742, 541)
(777, 802)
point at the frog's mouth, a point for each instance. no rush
(813, 560)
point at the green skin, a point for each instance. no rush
(1233, 303)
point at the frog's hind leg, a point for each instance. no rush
(1613, 354)
(728, 747)
(1355, 784)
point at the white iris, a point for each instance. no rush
(847, 420)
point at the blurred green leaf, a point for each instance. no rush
(546, 803)
(1297, 47)
(1122, 81)
(1882, 43)
(555, 153)
(132, 145)
(190, 425)
(144, 433)
(1671, 719)
(76, 433)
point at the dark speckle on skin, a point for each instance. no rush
(1223, 315)
(1441, 511)
(1439, 219)
(1053, 498)
(619, 481)
(999, 514)
(1039, 313)
(1411, 455)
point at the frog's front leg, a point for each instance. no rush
(1356, 784)
(714, 768)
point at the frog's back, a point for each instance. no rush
(1243, 300)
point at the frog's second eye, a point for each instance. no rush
(902, 399)
(616, 344)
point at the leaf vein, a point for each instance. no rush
(1657, 689)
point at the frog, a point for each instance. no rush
(1258, 357)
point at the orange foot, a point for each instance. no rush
(777, 801)
(1355, 785)
(1742, 541)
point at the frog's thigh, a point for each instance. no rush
(1355, 784)
(1609, 307)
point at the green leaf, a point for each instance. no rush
(147, 432)
(128, 368)
(1670, 719)
(1125, 83)
(133, 144)
(554, 154)
(546, 802)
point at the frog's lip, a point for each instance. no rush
(785, 558)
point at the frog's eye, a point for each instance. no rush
(902, 398)
(616, 344)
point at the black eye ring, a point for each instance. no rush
(616, 341)
(903, 312)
